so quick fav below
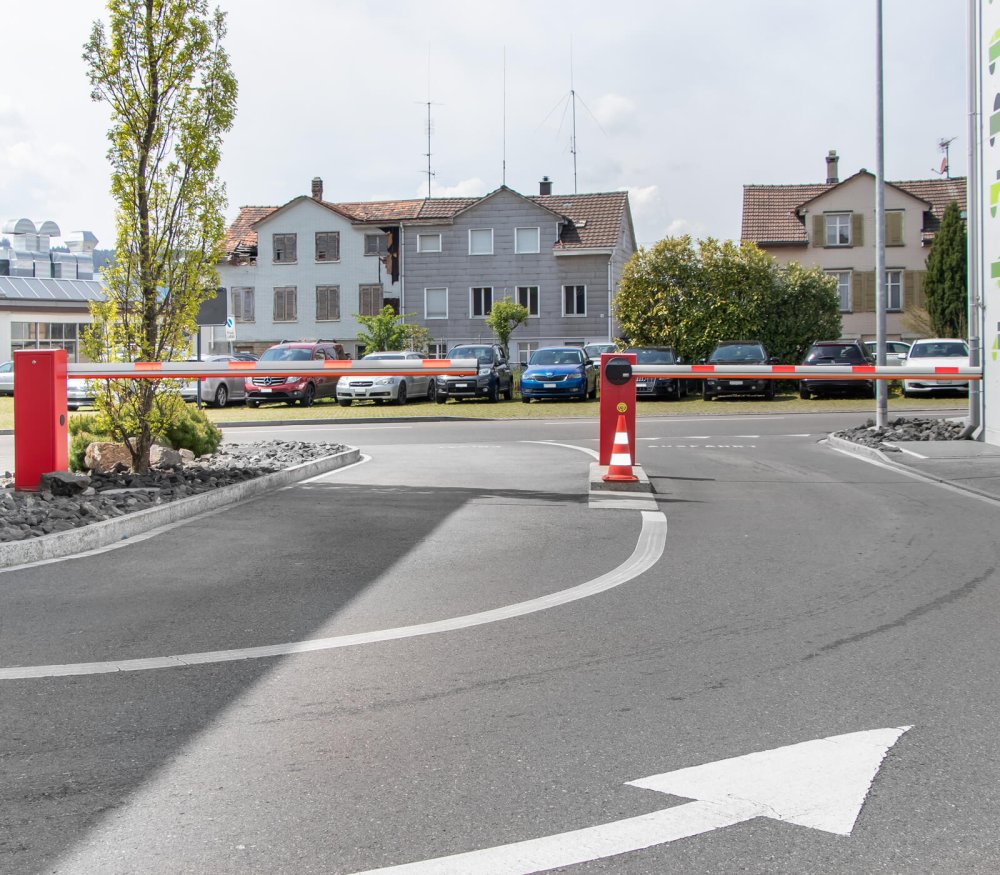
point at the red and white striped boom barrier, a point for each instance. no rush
(313, 368)
(809, 372)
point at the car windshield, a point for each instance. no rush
(287, 354)
(939, 350)
(653, 356)
(383, 356)
(482, 354)
(739, 352)
(557, 357)
(848, 354)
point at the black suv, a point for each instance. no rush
(670, 388)
(738, 352)
(846, 353)
(305, 390)
(495, 378)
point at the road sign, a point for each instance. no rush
(820, 784)
(230, 328)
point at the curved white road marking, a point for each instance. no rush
(592, 453)
(648, 550)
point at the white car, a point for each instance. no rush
(936, 352)
(7, 378)
(392, 388)
(895, 351)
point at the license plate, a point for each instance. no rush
(735, 382)
(640, 382)
(548, 385)
(461, 385)
(265, 390)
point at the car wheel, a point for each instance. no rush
(509, 391)
(344, 402)
(252, 403)
(308, 396)
(706, 395)
(441, 398)
(803, 392)
(494, 394)
(675, 394)
(769, 392)
(431, 391)
(525, 399)
(401, 395)
(221, 395)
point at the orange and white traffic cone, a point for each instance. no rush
(620, 469)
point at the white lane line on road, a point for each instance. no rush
(648, 550)
(271, 429)
(904, 450)
(592, 453)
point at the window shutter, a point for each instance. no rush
(864, 292)
(248, 305)
(913, 290)
(857, 229)
(894, 228)
(819, 230)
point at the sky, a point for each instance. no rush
(679, 102)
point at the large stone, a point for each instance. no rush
(63, 483)
(163, 457)
(102, 456)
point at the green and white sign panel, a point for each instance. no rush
(987, 154)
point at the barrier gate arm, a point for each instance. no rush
(41, 435)
(811, 372)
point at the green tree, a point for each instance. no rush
(691, 295)
(161, 69)
(416, 338)
(383, 331)
(504, 317)
(946, 282)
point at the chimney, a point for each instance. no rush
(831, 166)
(545, 186)
(317, 188)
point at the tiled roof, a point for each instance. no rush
(596, 219)
(769, 211)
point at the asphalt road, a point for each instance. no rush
(799, 594)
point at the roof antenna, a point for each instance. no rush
(943, 145)
(503, 168)
(572, 96)
(430, 124)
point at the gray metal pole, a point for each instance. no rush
(882, 389)
(972, 225)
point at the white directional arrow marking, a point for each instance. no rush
(821, 784)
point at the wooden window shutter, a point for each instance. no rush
(819, 230)
(894, 228)
(864, 292)
(857, 229)
(913, 290)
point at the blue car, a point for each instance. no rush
(558, 372)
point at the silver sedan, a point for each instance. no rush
(396, 389)
(217, 391)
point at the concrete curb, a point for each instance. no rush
(840, 443)
(91, 537)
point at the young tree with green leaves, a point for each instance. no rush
(504, 317)
(946, 282)
(690, 295)
(383, 331)
(161, 69)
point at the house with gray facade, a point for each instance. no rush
(441, 262)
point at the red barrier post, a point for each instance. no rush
(617, 399)
(41, 436)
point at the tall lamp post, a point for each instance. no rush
(881, 387)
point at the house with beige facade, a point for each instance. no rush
(831, 225)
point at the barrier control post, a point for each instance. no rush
(617, 399)
(41, 434)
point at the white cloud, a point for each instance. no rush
(473, 187)
(680, 227)
(615, 112)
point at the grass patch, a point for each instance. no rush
(692, 405)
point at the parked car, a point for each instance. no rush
(895, 351)
(305, 390)
(217, 391)
(79, 393)
(934, 352)
(391, 387)
(7, 378)
(738, 352)
(558, 372)
(595, 350)
(495, 378)
(837, 352)
(658, 387)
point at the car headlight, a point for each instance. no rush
(485, 372)
(385, 381)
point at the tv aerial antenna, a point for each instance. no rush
(429, 126)
(945, 168)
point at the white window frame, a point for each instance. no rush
(472, 302)
(424, 239)
(528, 296)
(427, 312)
(894, 281)
(520, 249)
(437, 349)
(576, 287)
(845, 289)
(834, 225)
(480, 231)
(525, 348)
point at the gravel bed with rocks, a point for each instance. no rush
(70, 500)
(903, 430)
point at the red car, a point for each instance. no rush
(305, 390)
